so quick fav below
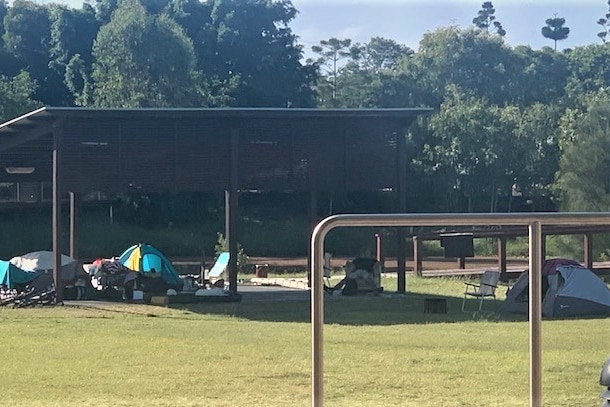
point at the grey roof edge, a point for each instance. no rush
(400, 116)
(23, 117)
(237, 112)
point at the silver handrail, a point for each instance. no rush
(533, 220)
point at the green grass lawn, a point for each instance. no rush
(379, 351)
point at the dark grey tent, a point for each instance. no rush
(569, 290)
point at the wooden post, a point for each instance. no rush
(588, 249)
(543, 249)
(74, 214)
(401, 247)
(232, 210)
(313, 220)
(379, 250)
(417, 256)
(59, 292)
(502, 258)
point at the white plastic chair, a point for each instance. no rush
(485, 289)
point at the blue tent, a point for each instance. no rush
(145, 258)
(11, 275)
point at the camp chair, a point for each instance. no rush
(486, 288)
(219, 267)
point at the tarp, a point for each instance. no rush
(11, 275)
(43, 261)
(146, 259)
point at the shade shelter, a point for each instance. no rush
(83, 151)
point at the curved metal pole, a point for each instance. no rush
(317, 314)
(535, 312)
(533, 220)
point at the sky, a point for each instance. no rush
(406, 21)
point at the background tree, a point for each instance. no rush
(16, 96)
(478, 63)
(554, 29)
(381, 54)
(473, 149)
(27, 38)
(252, 41)
(73, 32)
(604, 23)
(583, 179)
(331, 53)
(131, 69)
(542, 75)
(3, 12)
(486, 19)
(369, 71)
(104, 9)
(78, 80)
(536, 146)
(589, 71)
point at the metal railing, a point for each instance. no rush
(534, 221)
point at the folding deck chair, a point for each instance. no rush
(219, 267)
(486, 288)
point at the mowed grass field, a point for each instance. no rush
(379, 351)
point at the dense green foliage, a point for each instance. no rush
(504, 116)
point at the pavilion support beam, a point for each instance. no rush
(543, 249)
(74, 215)
(57, 278)
(379, 252)
(588, 250)
(502, 258)
(418, 255)
(313, 221)
(232, 209)
(401, 181)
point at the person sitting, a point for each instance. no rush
(362, 275)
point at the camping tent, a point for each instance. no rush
(567, 290)
(43, 261)
(11, 275)
(145, 258)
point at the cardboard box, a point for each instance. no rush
(159, 300)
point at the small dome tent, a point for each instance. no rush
(146, 259)
(568, 289)
(11, 275)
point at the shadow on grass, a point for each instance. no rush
(386, 309)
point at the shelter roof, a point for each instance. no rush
(113, 150)
(44, 115)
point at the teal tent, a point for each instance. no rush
(145, 258)
(11, 275)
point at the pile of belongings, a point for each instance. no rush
(113, 279)
(107, 273)
(141, 267)
(20, 288)
(362, 276)
(74, 280)
(143, 271)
